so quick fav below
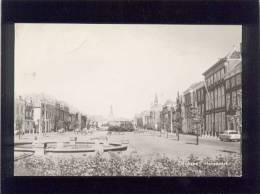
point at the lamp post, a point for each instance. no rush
(196, 121)
(171, 119)
(178, 117)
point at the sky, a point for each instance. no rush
(94, 66)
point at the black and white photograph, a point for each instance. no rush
(127, 100)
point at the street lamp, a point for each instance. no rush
(196, 120)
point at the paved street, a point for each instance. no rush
(150, 143)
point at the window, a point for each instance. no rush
(207, 122)
(206, 103)
(210, 122)
(239, 98)
(219, 97)
(238, 79)
(216, 97)
(212, 100)
(227, 84)
(233, 99)
(227, 101)
(207, 82)
(218, 75)
(233, 82)
(215, 77)
(216, 122)
(222, 96)
(222, 73)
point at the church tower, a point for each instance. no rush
(111, 113)
(155, 100)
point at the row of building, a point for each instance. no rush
(217, 101)
(39, 113)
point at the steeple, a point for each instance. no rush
(111, 113)
(155, 99)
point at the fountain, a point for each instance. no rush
(72, 146)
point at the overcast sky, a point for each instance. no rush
(95, 66)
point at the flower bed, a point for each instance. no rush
(132, 165)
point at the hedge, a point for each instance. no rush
(132, 165)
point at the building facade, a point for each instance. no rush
(167, 116)
(154, 120)
(233, 84)
(29, 114)
(19, 114)
(190, 101)
(200, 105)
(215, 93)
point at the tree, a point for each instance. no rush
(67, 124)
(178, 117)
(197, 121)
(19, 126)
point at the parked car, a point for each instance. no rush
(230, 135)
(62, 130)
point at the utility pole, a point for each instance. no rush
(171, 119)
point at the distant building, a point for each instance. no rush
(83, 121)
(190, 101)
(29, 114)
(19, 114)
(44, 115)
(167, 116)
(200, 105)
(146, 119)
(154, 120)
(138, 121)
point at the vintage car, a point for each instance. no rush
(62, 130)
(230, 135)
